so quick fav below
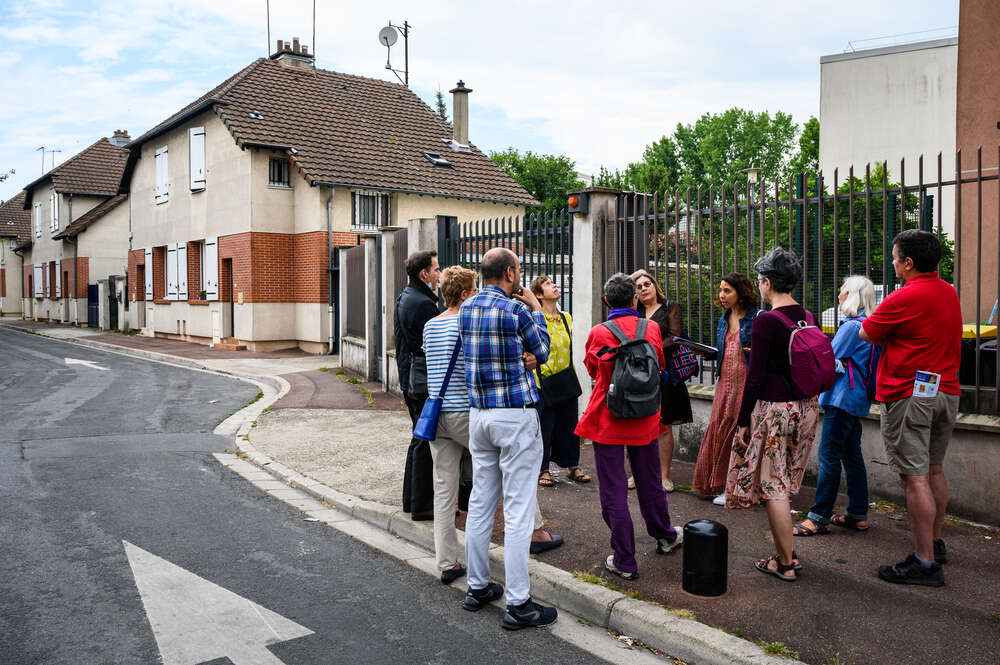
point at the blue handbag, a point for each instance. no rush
(427, 423)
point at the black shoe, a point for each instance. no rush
(527, 615)
(450, 575)
(477, 599)
(940, 552)
(425, 516)
(912, 572)
(539, 546)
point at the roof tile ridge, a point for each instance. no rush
(226, 87)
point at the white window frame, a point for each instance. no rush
(380, 209)
(161, 192)
(285, 176)
(38, 279)
(38, 219)
(196, 158)
(58, 272)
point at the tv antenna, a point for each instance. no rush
(387, 37)
(51, 152)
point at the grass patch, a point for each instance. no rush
(368, 396)
(778, 649)
(993, 617)
(355, 380)
(256, 398)
(886, 506)
(340, 373)
(833, 658)
(682, 613)
(324, 369)
(682, 488)
(738, 633)
(590, 578)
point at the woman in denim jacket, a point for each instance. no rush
(843, 407)
(739, 302)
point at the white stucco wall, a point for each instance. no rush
(891, 103)
(10, 304)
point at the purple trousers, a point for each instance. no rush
(613, 485)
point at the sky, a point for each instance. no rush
(595, 81)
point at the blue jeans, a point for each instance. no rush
(840, 444)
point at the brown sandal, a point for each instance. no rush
(801, 529)
(577, 475)
(848, 522)
(545, 479)
(781, 572)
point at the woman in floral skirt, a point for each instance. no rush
(777, 421)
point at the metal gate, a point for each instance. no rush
(93, 305)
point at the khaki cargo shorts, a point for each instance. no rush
(916, 431)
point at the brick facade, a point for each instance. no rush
(3, 282)
(159, 273)
(136, 282)
(194, 270)
(82, 277)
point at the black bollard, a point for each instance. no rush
(706, 552)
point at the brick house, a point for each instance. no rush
(15, 228)
(79, 231)
(237, 199)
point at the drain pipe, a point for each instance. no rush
(333, 281)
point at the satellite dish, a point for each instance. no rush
(387, 36)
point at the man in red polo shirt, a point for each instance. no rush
(920, 326)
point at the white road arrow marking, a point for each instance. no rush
(88, 363)
(194, 620)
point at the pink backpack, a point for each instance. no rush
(810, 355)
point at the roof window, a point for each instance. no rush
(437, 160)
(256, 115)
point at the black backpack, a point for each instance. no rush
(635, 382)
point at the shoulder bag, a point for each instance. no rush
(682, 363)
(564, 385)
(427, 424)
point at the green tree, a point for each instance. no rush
(806, 160)
(546, 177)
(4, 176)
(439, 106)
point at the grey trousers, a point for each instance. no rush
(506, 447)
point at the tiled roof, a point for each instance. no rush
(15, 221)
(354, 131)
(86, 219)
(95, 170)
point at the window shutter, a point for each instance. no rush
(39, 285)
(148, 273)
(210, 269)
(182, 271)
(196, 157)
(38, 219)
(171, 272)
(58, 273)
(54, 199)
(162, 179)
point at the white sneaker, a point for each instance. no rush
(663, 547)
(720, 500)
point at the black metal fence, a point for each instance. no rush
(354, 275)
(542, 241)
(839, 227)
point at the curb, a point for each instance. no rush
(693, 642)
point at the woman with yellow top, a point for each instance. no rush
(560, 389)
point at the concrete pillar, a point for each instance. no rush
(423, 234)
(588, 245)
(371, 301)
(391, 257)
(103, 315)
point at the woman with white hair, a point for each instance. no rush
(843, 407)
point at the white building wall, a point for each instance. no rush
(891, 103)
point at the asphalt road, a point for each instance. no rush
(94, 462)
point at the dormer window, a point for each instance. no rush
(278, 173)
(437, 160)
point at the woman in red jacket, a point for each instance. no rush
(637, 436)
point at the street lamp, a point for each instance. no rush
(753, 177)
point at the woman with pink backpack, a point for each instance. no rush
(791, 362)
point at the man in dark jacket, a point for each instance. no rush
(415, 306)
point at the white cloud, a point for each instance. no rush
(594, 80)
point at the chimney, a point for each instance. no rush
(293, 54)
(120, 137)
(460, 112)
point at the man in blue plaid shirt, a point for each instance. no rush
(499, 325)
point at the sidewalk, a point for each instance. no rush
(353, 438)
